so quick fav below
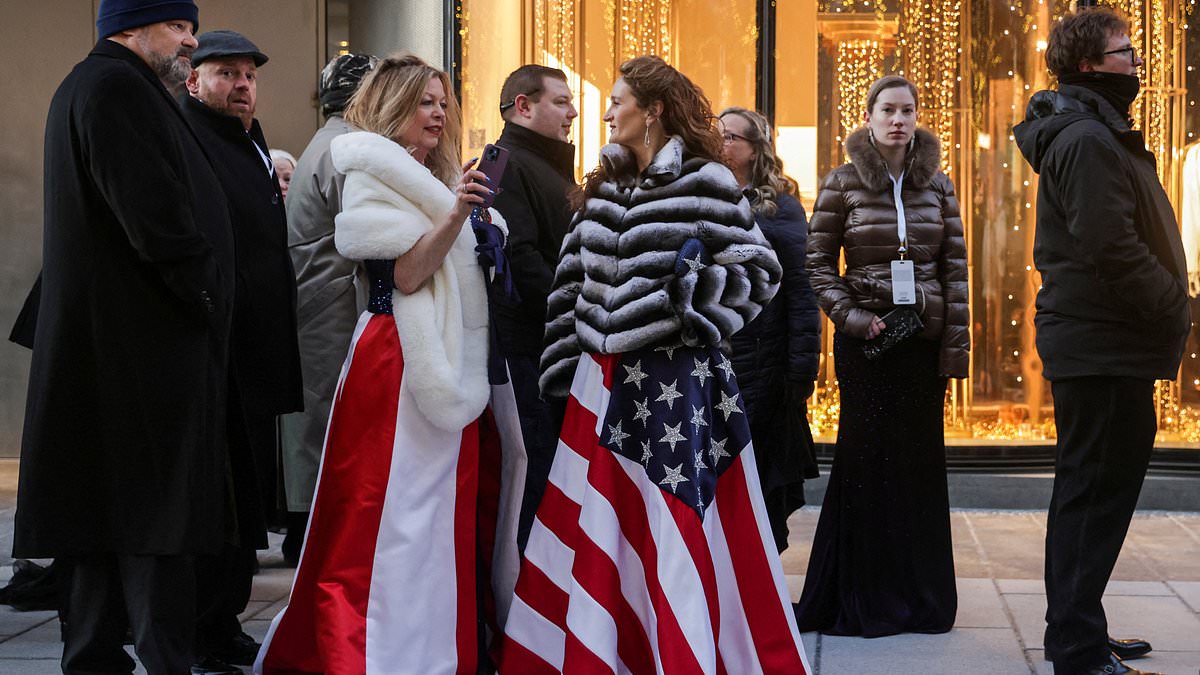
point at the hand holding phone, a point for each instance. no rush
(492, 164)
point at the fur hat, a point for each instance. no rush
(118, 15)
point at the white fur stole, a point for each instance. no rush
(389, 201)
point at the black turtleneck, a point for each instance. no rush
(1117, 88)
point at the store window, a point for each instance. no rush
(976, 63)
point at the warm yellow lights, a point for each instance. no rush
(859, 63)
(930, 37)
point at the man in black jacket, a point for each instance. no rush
(123, 458)
(264, 356)
(538, 108)
(1112, 318)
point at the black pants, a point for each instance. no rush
(541, 422)
(1106, 429)
(156, 593)
(223, 586)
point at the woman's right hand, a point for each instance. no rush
(470, 191)
(876, 327)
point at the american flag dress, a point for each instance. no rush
(407, 532)
(651, 551)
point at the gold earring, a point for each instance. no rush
(646, 139)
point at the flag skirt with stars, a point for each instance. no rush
(651, 551)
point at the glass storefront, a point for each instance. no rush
(808, 62)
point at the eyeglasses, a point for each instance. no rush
(1130, 49)
(730, 137)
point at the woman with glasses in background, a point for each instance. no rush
(775, 356)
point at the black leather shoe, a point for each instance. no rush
(1126, 650)
(1115, 667)
(240, 651)
(1132, 648)
(214, 666)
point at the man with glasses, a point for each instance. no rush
(1112, 318)
(538, 109)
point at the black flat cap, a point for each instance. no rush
(219, 43)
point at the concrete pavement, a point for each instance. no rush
(1155, 593)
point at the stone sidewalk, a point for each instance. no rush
(1155, 593)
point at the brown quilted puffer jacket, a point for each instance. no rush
(855, 211)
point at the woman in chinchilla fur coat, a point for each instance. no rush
(662, 263)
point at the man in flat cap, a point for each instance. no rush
(123, 458)
(264, 356)
(329, 298)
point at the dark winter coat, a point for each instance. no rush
(124, 441)
(784, 342)
(1113, 300)
(855, 211)
(264, 348)
(533, 200)
(623, 282)
(775, 357)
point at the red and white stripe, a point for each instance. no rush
(620, 577)
(387, 581)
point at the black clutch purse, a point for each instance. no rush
(900, 324)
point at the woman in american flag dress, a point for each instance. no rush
(651, 550)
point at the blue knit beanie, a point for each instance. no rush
(118, 15)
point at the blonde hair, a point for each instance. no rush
(386, 103)
(767, 180)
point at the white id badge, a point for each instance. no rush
(904, 283)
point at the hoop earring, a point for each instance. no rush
(871, 136)
(912, 142)
(646, 139)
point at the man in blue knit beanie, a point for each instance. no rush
(124, 458)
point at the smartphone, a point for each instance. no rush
(492, 164)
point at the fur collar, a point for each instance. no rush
(621, 165)
(923, 160)
(379, 157)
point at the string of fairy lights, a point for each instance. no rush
(645, 28)
(930, 51)
(859, 63)
(554, 29)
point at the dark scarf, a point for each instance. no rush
(1116, 88)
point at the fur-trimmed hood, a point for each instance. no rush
(922, 162)
(389, 202)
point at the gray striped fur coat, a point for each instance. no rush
(623, 280)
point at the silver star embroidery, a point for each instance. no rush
(669, 394)
(699, 464)
(698, 418)
(616, 436)
(695, 264)
(672, 435)
(634, 375)
(643, 411)
(727, 366)
(716, 450)
(728, 405)
(702, 372)
(646, 452)
(674, 477)
(669, 350)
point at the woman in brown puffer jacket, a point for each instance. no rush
(882, 561)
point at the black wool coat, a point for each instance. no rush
(1113, 300)
(533, 201)
(265, 348)
(124, 439)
